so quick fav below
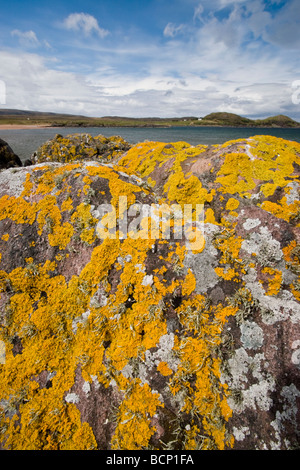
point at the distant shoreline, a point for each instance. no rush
(50, 126)
(21, 119)
(7, 127)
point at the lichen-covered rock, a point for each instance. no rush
(80, 147)
(138, 341)
(8, 158)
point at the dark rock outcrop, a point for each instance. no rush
(8, 158)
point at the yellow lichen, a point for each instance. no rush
(164, 369)
(84, 223)
(232, 204)
(274, 282)
(270, 162)
(189, 284)
(208, 396)
(281, 209)
(67, 205)
(28, 185)
(210, 217)
(134, 427)
(231, 264)
(17, 209)
(113, 315)
(236, 174)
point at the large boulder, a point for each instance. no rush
(114, 336)
(8, 158)
(77, 147)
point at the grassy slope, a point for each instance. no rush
(67, 120)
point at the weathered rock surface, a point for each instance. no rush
(80, 147)
(152, 343)
(8, 158)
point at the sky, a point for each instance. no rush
(141, 58)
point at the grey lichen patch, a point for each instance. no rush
(252, 335)
(203, 264)
(296, 353)
(237, 367)
(72, 398)
(2, 352)
(288, 415)
(251, 223)
(164, 353)
(86, 388)
(266, 248)
(272, 309)
(80, 320)
(99, 299)
(257, 397)
(240, 433)
(292, 194)
(249, 375)
(12, 180)
(147, 280)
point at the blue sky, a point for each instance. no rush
(151, 57)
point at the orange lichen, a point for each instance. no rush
(232, 204)
(28, 186)
(270, 162)
(134, 428)
(207, 398)
(281, 209)
(67, 205)
(274, 282)
(189, 284)
(164, 369)
(112, 318)
(84, 223)
(231, 264)
(17, 209)
(210, 217)
(226, 273)
(236, 174)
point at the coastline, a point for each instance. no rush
(50, 126)
(24, 126)
(13, 118)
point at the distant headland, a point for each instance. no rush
(15, 118)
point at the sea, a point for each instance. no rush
(25, 142)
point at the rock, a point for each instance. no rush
(118, 337)
(80, 147)
(8, 158)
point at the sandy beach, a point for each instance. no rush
(23, 126)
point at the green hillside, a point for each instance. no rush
(230, 119)
(23, 117)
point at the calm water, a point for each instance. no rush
(25, 141)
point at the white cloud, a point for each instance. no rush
(228, 62)
(47, 45)
(198, 12)
(224, 3)
(84, 22)
(33, 83)
(171, 30)
(285, 27)
(26, 38)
